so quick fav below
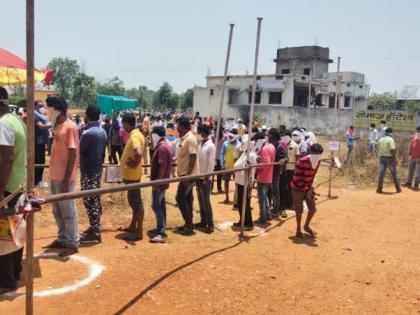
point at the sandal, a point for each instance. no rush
(55, 244)
(310, 232)
(121, 229)
(299, 234)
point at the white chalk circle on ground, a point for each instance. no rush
(228, 224)
(95, 269)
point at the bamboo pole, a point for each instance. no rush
(30, 86)
(222, 97)
(251, 118)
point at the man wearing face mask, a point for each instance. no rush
(227, 158)
(387, 159)
(414, 162)
(64, 161)
(92, 149)
(298, 138)
(303, 178)
(206, 161)
(42, 126)
(161, 166)
(264, 177)
(293, 155)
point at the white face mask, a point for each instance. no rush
(259, 144)
(42, 110)
(296, 138)
(53, 116)
(155, 139)
(200, 138)
(286, 139)
(315, 158)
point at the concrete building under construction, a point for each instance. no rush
(301, 79)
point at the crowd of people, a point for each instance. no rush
(168, 145)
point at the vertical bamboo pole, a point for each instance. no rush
(251, 118)
(222, 98)
(30, 86)
(335, 135)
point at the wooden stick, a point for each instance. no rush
(251, 118)
(222, 97)
(30, 86)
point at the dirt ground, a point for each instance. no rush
(364, 261)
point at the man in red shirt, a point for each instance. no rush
(414, 163)
(302, 189)
(160, 169)
(264, 176)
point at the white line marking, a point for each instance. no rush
(95, 269)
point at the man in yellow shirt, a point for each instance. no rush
(131, 171)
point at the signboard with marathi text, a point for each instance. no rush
(397, 120)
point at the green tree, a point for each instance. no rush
(17, 94)
(412, 105)
(187, 100)
(163, 98)
(113, 86)
(84, 90)
(384, 99)
(143, 95)
(173, 101)
(65, 72)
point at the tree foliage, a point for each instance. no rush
(113, 86)
(412, 105)
(384, 99)
(163, 97)
(84, 90)
(187, 99)
(65, 72)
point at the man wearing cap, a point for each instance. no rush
(387, 159)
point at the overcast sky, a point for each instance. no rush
(148, 42)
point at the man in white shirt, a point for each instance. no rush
(373, 139)
(206, 162)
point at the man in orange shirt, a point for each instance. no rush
(414, 163)
(64, 160)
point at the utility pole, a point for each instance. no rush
(251, 118)
(222, 98)
(30, 87)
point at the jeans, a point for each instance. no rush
(263, 202)
(248, 213)
(413, 165)
(275, 188)
(65, 214)
(349, 151)
(283, 191)
(159, 208)
(206, 212)
(92, 203)
(219, 178)
(40, 150)
(387, 162)
(184, 199)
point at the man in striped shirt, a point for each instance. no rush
(302, 189)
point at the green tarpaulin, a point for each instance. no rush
(110, 103)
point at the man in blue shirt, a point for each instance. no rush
(92, 149)
(350, 141)
(42, 126)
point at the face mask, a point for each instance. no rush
(296, 138)
(200, 138)
(259, 144)
(286, 139)
(42, 110)
(155, 140)
(53, 116)
(382, 126)
(315, 158)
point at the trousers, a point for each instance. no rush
(92, 203)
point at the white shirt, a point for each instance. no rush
(373, 135)
(206, 156)
(241, 163)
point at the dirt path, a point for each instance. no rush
(366, 260)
